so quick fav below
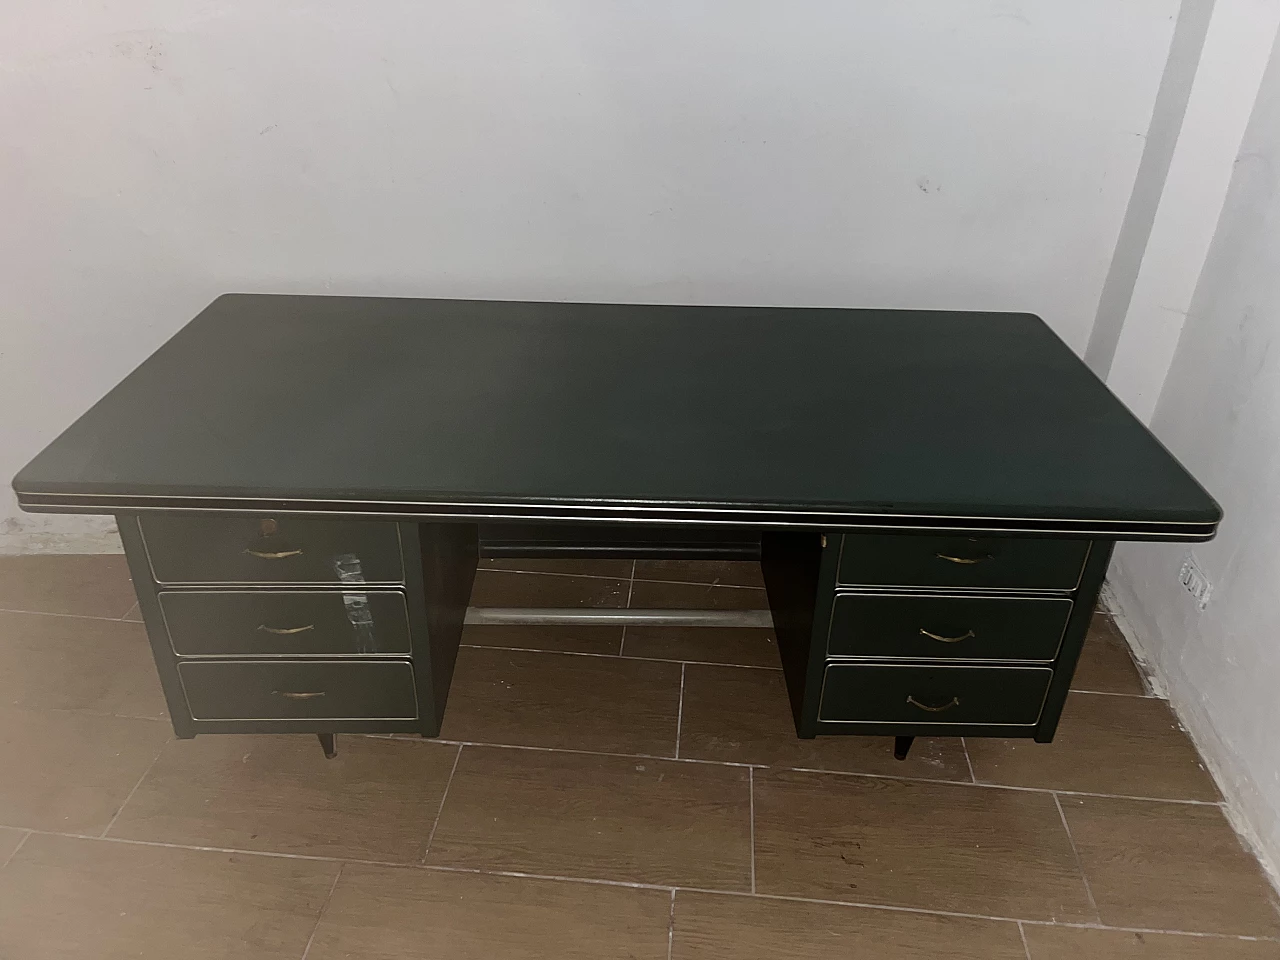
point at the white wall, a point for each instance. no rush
(1219, 412)
(1234, 56)
(937, 153)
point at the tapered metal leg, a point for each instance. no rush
(901, 745)
(326, 743)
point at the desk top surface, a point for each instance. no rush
(743, 415)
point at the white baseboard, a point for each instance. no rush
(1253, 819)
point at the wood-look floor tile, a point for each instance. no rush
(69, 771)
(615, 569)
(937, 846)
(652, 594)
(562, 637)
(1076, 943)
(504, 588)
(612, 818)
(1105, 665)
(1169, 866)
(745, 646)
(135, 614)
(81, 585)
(742, 715)
(390, 913)
(734, 573)
(376, 800)
(10, 840)
(66, 899)
(721, 927)
(78, 663)
(536, 699)
(1130, 746)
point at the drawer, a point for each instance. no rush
(299, 689)
(919, 561)
(270, 550)
(933, 694)
(273, 622)
(967, 628)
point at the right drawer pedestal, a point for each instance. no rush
(923, 635)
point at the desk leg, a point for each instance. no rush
(327, 745)
(800, 578)
(901, 745)
(440, 565)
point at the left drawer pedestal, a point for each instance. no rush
(298, 625)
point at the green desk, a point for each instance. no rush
(304, 485)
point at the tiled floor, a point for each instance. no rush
(598, 794)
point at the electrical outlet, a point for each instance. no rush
(1195, 582)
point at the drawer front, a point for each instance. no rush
(966, 628)
(271, 550)
(933, 694)
(274, 622)
(919, 561)
(299, 690)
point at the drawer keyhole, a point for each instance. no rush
(955, 702)
(967, 635)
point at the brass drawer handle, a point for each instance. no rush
(298, 696)
(964, 560)
(955, 702)
(967, 635)
(285, 631)
(272, 554)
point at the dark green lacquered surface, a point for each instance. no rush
(934, 694)
(296, 622)
(284, 549)
(978, 562)
(965, 628)
(299, 689)
(510, 409)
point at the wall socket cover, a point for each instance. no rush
(1195, 582)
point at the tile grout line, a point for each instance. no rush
(852, 904)
(73, 616)
(680, 712)
(671, 924)
(964, 745)
(828, 772)
(605, 576)
(444, 795)
(704, 583)
(124, 803)
(990, 786)
(631, 586)
(526, 875)
(1112, 693)
(323, 908)
(616, 656)
(898, 908)
(713, 663)
(1026, 947)
(86, 712)
(572, 750)
(751, 788)
(1079, 863)
(242, 851)
(14, 852)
